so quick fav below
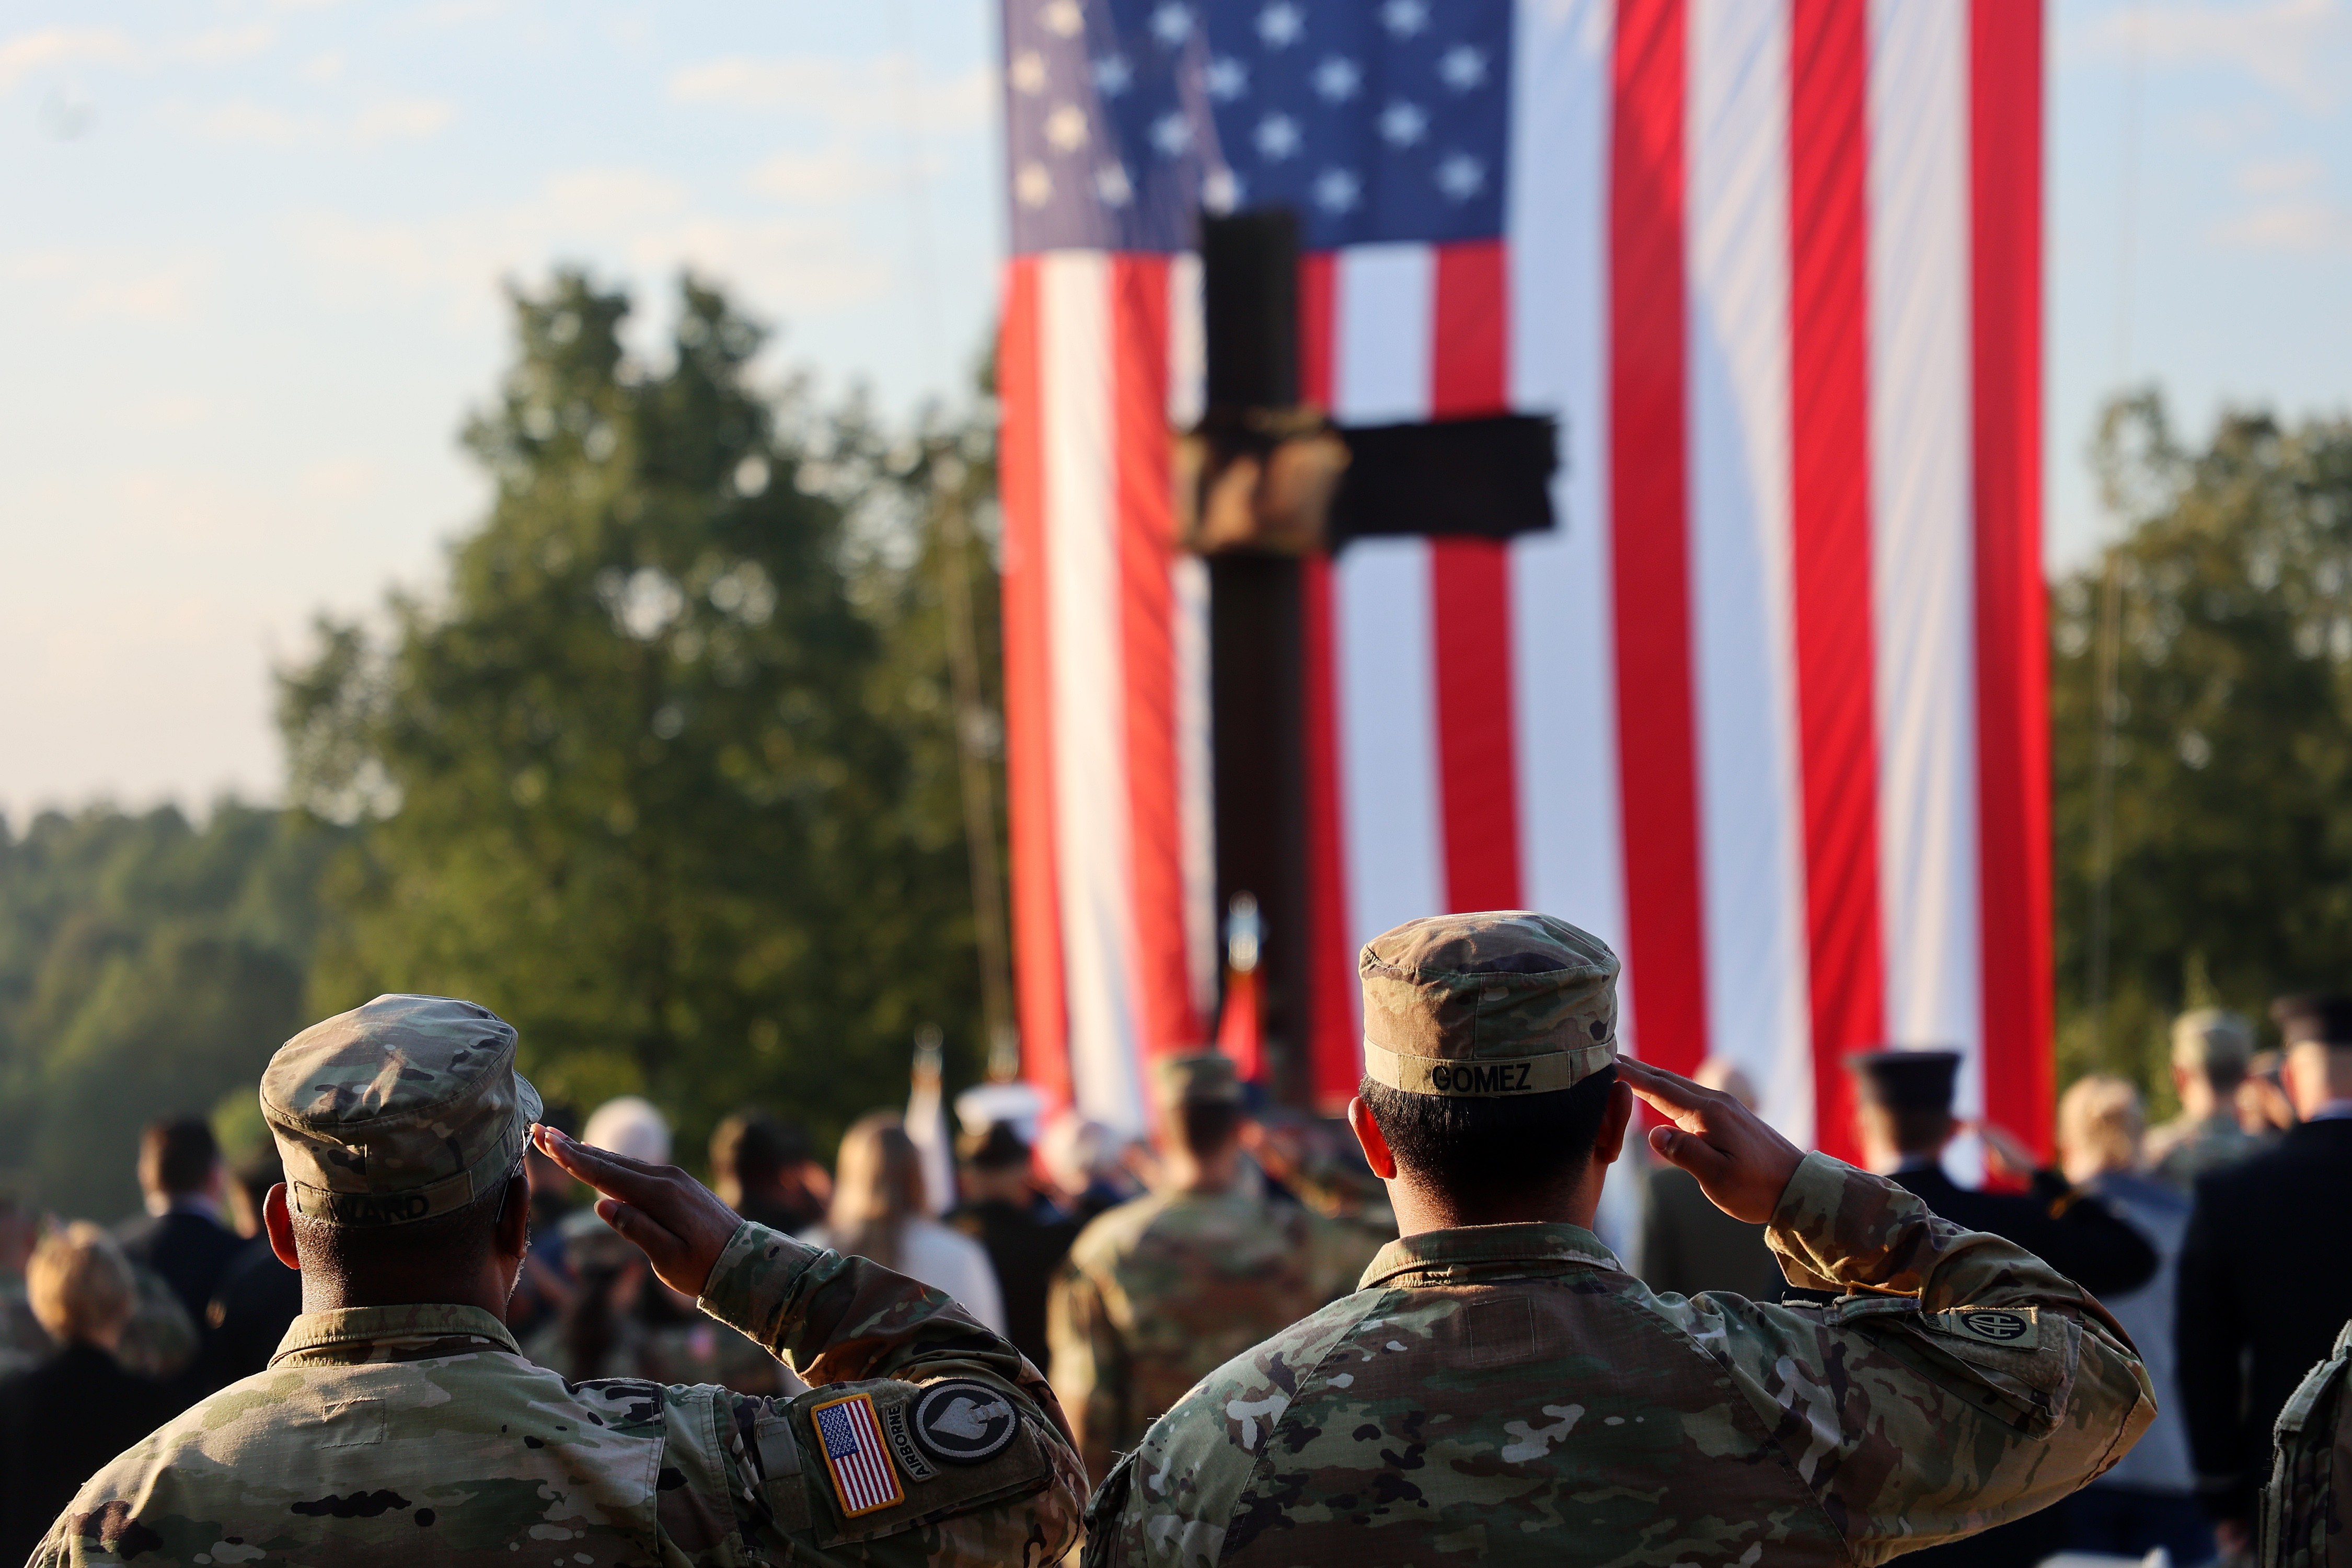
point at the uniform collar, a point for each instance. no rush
(1474, 1250)
(393, 1333)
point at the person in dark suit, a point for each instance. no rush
(65, 1417)
(182, 1240)
(1025, 1236)
(2266, 1269)
(1904, 1117)
(1688, 1245)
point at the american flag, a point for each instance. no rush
(864, 1478)
(1766, 711)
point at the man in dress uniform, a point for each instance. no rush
(1500, 1390)
(399, 1423)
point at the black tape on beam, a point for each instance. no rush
(1482, 479)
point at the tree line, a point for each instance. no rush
(666, 769)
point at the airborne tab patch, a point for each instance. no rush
(864, 1479)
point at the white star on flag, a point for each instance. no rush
(1172, 25)
(1461, 176)
(1277, 136)
(1281, 25)
(1335, 79)
(1337, 190)
(1066, 128)
(1113, 75)
(1404, 124)
(1227, 79)
(1463, 67)
(1171, 133)
(1029, 72)
(1111, 185)
(1062, 17)
(1404, 18)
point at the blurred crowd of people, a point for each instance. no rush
(1128, 1267)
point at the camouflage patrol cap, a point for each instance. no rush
(1507, 1001)
(404, 1108)
(1202, 1078)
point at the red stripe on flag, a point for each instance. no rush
(1335, 1062)
(1334, 1056)
(2011, 647)
(1028, 699)
(1470, 601)
(1147, 545)
(1829, 53)
(1650, 536)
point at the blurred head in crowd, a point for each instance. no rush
(1725, 1076)
(80, 1286)
(179, 1161)
(439, 1211)
(877, 1188)
(2210, 1049)
(2262, 1101)
(20, 1230)
(2100, 1125)
(2317, 1032)
(765, 1170)
(992, 1164)
(1201, 1118)
(1903, 1105)
(629, 1125)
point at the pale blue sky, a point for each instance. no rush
(249, 264)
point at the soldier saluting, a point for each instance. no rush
(1499, 1389)
(398, 1421)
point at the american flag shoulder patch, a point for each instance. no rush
(864, 1478)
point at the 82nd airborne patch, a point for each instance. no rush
(960, 1421)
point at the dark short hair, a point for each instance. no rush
(757, 1149)
(1208, 1125)
(452, 1246)
(179, 1152)
(1477, 1150)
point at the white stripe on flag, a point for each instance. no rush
(1565, 682)
(1923, 528)
(1189, 613)
(1387, 725)
(1750, 812)
(1091, 792)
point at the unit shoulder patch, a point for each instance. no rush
(961, 1422)
(2018, 1330)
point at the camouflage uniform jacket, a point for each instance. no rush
(403, 1434)
(1160, 1292)
(1507, 1394)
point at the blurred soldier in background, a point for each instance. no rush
(78, 1407)
(1158, 1292)
(258, 1296)
(2266, 1269)
(1500, 1390)
(184, 1239)
(2149, 1499)
(766, 1171)
(397, 1422)
(1024, 1233)
(23, 1341)
(2210, 1049)
(1688, 1245)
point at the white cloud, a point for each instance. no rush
(2299, 47)
(638, 221)
(104, 286)
(2279, 176)
(402, 119)
(319, 70)
(834, 173)
(224, 44)
(29, 52)
(874, 92)
(386, 119)
(2305, 227)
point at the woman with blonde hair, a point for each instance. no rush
(63, 1419)
(881, 1211)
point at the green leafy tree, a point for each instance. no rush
(2217, 634)
(148, 967)
(662, 773)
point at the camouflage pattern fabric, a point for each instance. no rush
(1160, 1292)
(394, 1436)
(2304, 1509)
(1501, 1003)
(160, 1339)
(1507, 1394)
(2181, 1150)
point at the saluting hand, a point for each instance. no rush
(1740, 1162)
(675, 1220)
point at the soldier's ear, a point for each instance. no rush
(1610, 1142)
(277, 1223)
(1375, 1145)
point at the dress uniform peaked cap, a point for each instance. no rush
(406, 1108)
(1503, 1003)
(1902, 1079)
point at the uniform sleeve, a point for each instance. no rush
(1958, 1382)
(854, 1327)
(2209, 1339)
(1089, 1366)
